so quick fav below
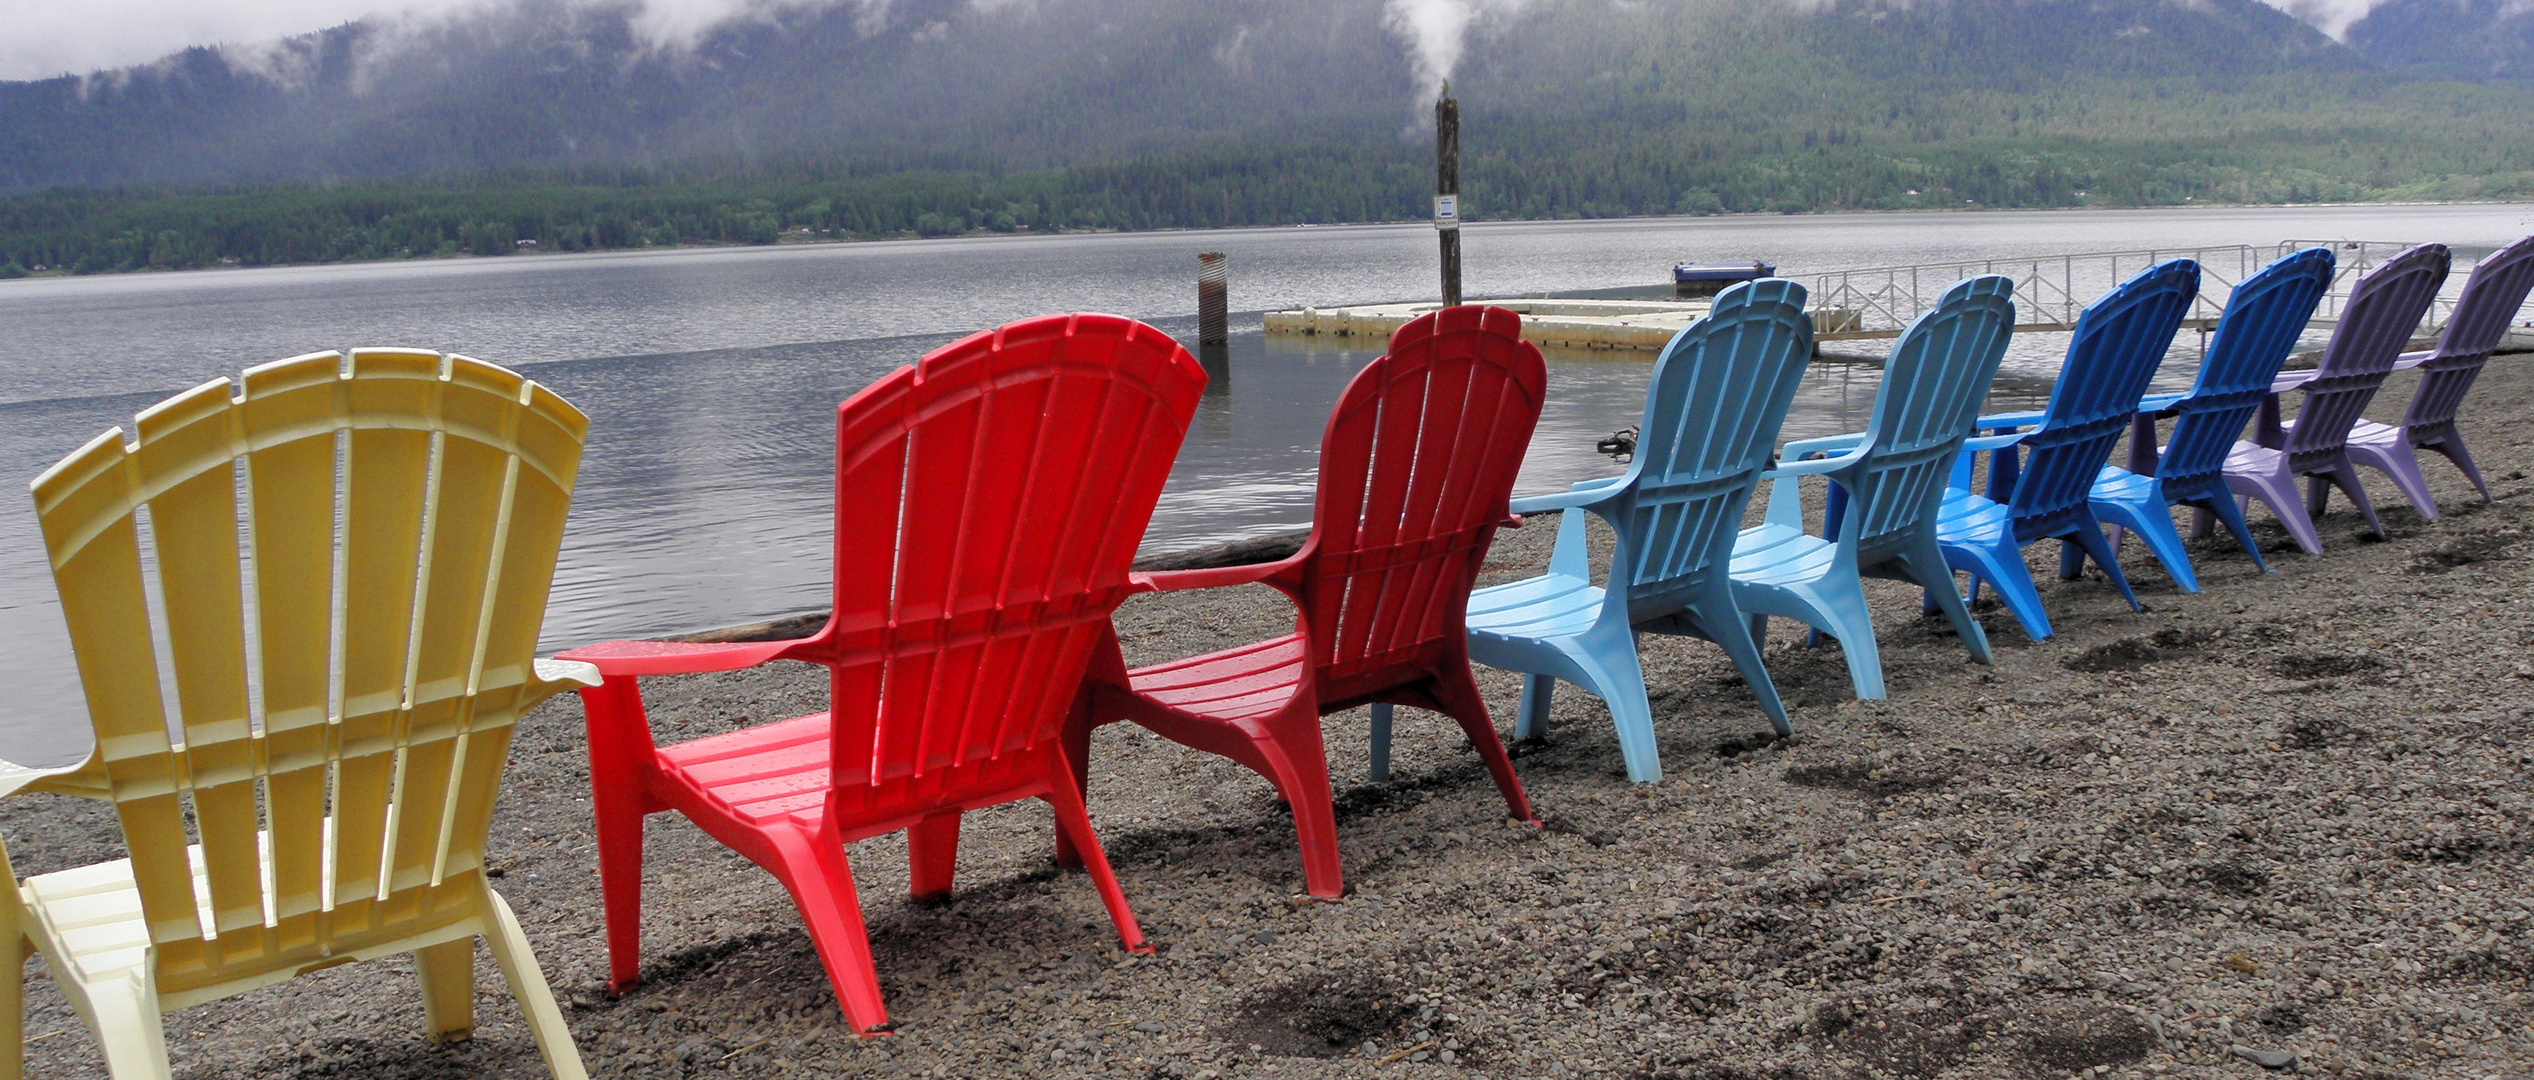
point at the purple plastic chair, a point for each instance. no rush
(2384, 309)
(2490, 301)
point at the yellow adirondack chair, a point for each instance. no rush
(351, 564)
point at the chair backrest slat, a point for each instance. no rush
(2263, 319)
(344, 684)
(1718, 395)
(1416, 468)
(2492, 296)
(2384, 309)
(989, 500)
(2119, 342)
(1934, 382)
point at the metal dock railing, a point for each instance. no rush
(2051, 290)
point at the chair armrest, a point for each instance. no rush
(2154, 404)
(1995, 421)
(1214, 577)
(15, 777)
(615, 658)
(2409, 360)
(2290, 380)
(1973, 448)
(1821, 445)
(1812, 466)
(1581, 495)
(562, 675)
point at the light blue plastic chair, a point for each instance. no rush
(2119, 342)
(1886, 483)
(2254, 334)
(1718, 394)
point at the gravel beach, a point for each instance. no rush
(2282, 822)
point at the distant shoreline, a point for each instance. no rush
(797, 240)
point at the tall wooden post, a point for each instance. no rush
(1447, 190)
(1213, 324)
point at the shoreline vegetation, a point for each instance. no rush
(803, 238)
(81, 231)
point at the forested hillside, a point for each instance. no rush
(555, 124)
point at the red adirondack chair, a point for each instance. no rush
(1415, 470)
(988, 502)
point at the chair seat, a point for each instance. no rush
(2254, 459)
(1780, 555)
(1551, 605)
(1970, 518)
(1253, 680)
(759, 774)
(2116, 484)
(2372, 435)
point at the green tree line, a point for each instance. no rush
(2006, 152)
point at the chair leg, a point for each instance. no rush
(2203, 524)
(2279, 494)
(1076, 737)
(12, 982)
(1532, 721)
(2154, 526)
(1299, 765)
(1620, 683)
(2089, 534)
(2399, 463)
(2451, 444)
(1926, 566)
(1074, 818)
(619, 815)
(509, 946)
(2002, 566)
(1728, 631)
(1380, 736)
(2224, 508)
(1839, 603)
(124, 1013)
(1459, 696)
(2345, 477)
(820, 878)
(932, 853)
(447, 974)
(2072, 560)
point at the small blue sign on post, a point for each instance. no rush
(1447, 211)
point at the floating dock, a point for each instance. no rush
(1550, 324)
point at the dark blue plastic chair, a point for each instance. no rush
(1719, 392)
(2119, 342)
(1886, 483)
(2258, 329)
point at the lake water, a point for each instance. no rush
(711, 376)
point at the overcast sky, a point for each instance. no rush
(44, 38)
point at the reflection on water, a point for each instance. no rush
(711, 378)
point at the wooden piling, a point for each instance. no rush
(1213, 280)
(1447, 190)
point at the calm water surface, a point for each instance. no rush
(711, 376)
